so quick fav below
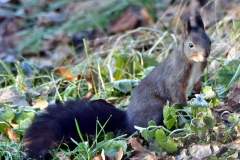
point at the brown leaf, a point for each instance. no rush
(89, 95)
(119, 154)
(62, 156)
(145, 156)
(65, 73)
(12, 135)
(140, 151)
(198, 151)
(11, 95)
(132, 18)
(55, 41)
(40, 103)
(100, 156)
(234, 97)
(234, 12)
(134, 143)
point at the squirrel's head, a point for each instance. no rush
(196, 43)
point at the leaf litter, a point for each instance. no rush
(57, 43)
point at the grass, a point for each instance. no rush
(129, 59)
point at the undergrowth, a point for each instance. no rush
(29, 88)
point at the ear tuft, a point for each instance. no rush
(198, 20)
(191, 20)
(185, 18)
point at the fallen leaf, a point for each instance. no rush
(40, 103)
(233, 99)
(12, 135)
(135, 144)
(62, 156)
(11, 95)
(144, 156)
(55, 41)
(119, 154)
(202, 151)
(65, 73)
(100, 156)
(234, 12)
(89, 95)
(132, 18)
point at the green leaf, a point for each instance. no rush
(171, 146)
(111, 147)
(152, 123)
(148, 70)
(170, 116)
(165, 142)
(229, 71)
(208, 92)
(147, 134)
(24, 119)
(160, 136)
(8, 115)
(120, 65)
(214, 102)
(234, 118)
(209, 122)
(199, 101)
(125, 85)
(3, 126)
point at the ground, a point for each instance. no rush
(59, 50)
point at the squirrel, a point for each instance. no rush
(170, 81)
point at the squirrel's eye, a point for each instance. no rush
(190, 45)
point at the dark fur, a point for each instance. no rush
(57, 124)
(167, 82)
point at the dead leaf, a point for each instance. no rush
(132, 18)
(119, 154)
(234, 12)
(100, 156)
(233, 54)
(65, 73)
(89, 95)
(233, 100)
(134, 143)
(55, 41)
(40, 103)
(62, 156)
(202, 151)
(140, 151)
(11, 95)
(12, 135)
(145, 156)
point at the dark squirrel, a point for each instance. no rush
(169, 81)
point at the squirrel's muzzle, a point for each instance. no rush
(198, 57)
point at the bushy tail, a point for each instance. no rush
(57, 124)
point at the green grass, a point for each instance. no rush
(114, 76)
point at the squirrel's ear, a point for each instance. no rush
(198, 20)
(186, 24)
(191, 20)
